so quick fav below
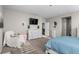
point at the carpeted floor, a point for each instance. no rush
(35, 46)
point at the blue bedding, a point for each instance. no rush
(64, 44)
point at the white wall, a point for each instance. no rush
(13, 21)
(58, 28)
(74, 23)
(1, 30)
(1, 13)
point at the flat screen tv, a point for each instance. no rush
(33, 21)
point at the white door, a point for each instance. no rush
(64, 27)
(47, 28)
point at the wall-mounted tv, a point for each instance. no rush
(33, 21)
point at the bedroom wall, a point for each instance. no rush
(1, 13)
(74, 23)
(58, 28)
(0, 30)
(13, 21)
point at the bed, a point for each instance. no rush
(63, 45)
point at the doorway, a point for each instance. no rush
(66, 26)
(43, 28)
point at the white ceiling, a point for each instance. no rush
(45, 10)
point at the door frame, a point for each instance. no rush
(66, 34)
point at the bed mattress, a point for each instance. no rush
(64, 45)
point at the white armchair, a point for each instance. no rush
(13, 40)
(8, 39)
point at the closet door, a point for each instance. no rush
(64, 27)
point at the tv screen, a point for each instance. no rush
(33, 21)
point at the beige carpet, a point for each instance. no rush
(35, 46)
